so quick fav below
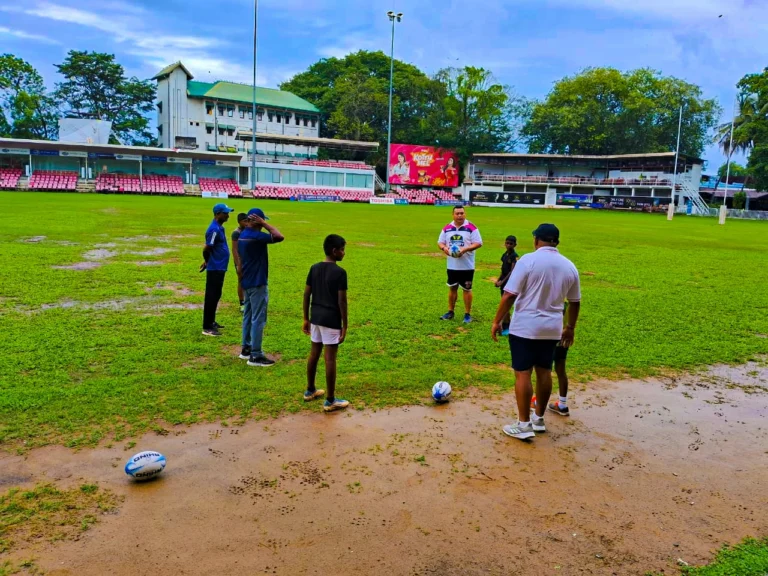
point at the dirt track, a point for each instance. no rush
(642, 474)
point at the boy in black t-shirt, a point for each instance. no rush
(508, 261)
(325, 319)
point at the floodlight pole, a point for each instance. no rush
(392, 18)
(253, 112)
(724, 208)
(671, 209)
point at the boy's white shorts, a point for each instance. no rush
(323, 335)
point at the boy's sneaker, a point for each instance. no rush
(557, 409)
(211, 332)
(217, 326)
(260, 361)
(337, 404)
(519, 432)
(245, 354)
(447, 316)
(309, 396)
(538, 425)
(467, 318)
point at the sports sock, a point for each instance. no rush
(521, 424)
(563, 401)
(536, 418)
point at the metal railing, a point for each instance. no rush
(648, 182)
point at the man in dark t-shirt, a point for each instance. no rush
(242, 218)
(254, 261)
(325, 319)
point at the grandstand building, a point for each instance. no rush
(213, 116)
(632, 181)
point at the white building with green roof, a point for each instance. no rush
(210, 115)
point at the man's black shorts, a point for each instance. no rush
(561, 353)
(461, 278)
(527, 354)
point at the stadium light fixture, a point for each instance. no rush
(392, 18)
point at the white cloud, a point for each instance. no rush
(27, 36)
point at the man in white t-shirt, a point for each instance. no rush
(538, 287)
(459, 240)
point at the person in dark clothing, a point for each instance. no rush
(215, 262)
(242, 219)
(508, 261)
(325, 319)
(254, 260)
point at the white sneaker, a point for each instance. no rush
(538, 425)
(519, 432)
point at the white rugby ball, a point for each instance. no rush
(455, 251)
(441, 391)
(145, 465)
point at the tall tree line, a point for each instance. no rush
(93, 86)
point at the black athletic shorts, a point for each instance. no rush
(527, 354)
(561, 353)
(461, 278)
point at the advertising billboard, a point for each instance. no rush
(423, 166)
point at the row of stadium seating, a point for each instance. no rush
(54, 180)
(285, 193)
(156, 184)
(9, 178)
(221, 185)
(574, 180)
(348, 164)
(420, 195)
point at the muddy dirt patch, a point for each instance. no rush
(639, 475)
(153, 252)
(33, 239)
(99, 254)
(79, 266)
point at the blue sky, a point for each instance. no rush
(528, 44)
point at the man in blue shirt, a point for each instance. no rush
(254, 272)
(216, 259)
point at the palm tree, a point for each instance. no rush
(748, 111)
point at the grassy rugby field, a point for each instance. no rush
(111, 351)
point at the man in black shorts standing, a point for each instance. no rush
(459, 240)
(538, 286)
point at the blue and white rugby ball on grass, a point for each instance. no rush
(441, 392)
(145, 465)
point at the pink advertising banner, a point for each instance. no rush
(423, 166)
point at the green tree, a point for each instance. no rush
(751, 126)
(26, 110)
(464, 109)
(95, 86)
(605, 111)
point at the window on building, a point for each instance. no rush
(306, 122)
(298, 120)
(270, 116)
(242, 113)
(160, 107)
(270, 175)
(221, 131)
(209, 109)
(230, 112)
(314, 122)
(197, 123)
(335, 179)
(279, 118)
(221, 110)
(209, 129)
(250, 114)
(297, 177)
(359, 181)
(230, 132)
(260, 116)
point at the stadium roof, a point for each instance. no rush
(114, 149)
(234, 92)
(650, 155)
(328, 143)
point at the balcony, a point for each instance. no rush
(574, 180)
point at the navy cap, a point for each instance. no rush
(547, 232)
(257, 212)
(219, 208)
(242, 216)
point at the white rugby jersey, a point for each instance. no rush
(461, 236)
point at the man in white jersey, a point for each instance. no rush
(538, 287)
(459, 240)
